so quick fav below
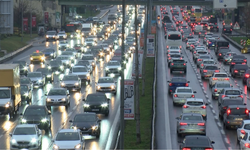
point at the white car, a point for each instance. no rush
(62, 35)
(243, 129)
(244, 143)
(69, 139)
(26, 136)
(207, 62)
(181, 94)
(173, 52)
(106, 84)
(218, 76)
(195, 105)
(63, 45)
(199, 52)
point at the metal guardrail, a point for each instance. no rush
(104, 14)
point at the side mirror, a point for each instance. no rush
(186, 62)
(98, 120)
(245, 104)
(10, 134)
(188, 81)
(194, 91)
(70, 121)
(83, 99)
(68, 94)
(46, 94)
(212, 142)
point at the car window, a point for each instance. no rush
(178, 61)
(57, 92)
(223, 85)
(97, 98)
(184, 90)
(105, 80)
(233, 92)
(197, 142)
(33, 74)
(67, 136)
(79, 69)
(67, 78)
(220, 75)
(194, 103)
(208, 62)
(247, 126)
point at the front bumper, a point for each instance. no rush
(29, 146)
(106, 89)
(4, 110)
(97, 109)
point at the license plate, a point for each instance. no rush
(242, 71)
(238, 119)
(95, 109)
(233, 97)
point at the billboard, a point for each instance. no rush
(33, 21)
(6, 16)
(151, 45)
(129, 100)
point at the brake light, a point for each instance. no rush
(224, 107)
(172, 64)
(184, 64)
(199, 33)
(232, 63)
(204, 106)
(195, 52)
(215, 90)
(247, 111)
(215, 78)
(186, 84)
(228, 111)
(204, 70)
(247, 145)
(186, 148)
(208, 149)
(201, 124)
(245, 60)
(223, 96)
(168, 46)
(202, 65)
(209, 42)
(243, 63)
(235, 71)
(226, 78)
(192, 96)
(240, 96)
(175, 95)
(199, 59)
(183, 123)
(231, 29)
(224, 29)
(170, 84)
(169, 57)
(219, 54)
(185, 106)
(247, 75)
(242, 132)
(217, 71)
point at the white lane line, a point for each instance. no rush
(223, 132)
(68, 116)
(226, 140)
(219, 124)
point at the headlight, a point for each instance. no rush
(78, 35)
(78, 146)
(71, 57)
(55, 146)
(126, 55)
(106, 69)
(76, 83)
(13, 141)
(67, 62)
(63, 99)
(67, 45)
(39, 81)
(101, 53)
(120, 68)
(93, 63)
(104, 105)
(124, 62)
(112, 86)
(71, 35)
(48, 76)
(26, 94)
(61, 67)
(62, 84)
(48, 99)
(86, 105)
(44, 120)
(7, 105)
(49, 67)
(88, 75)
(94, 127)
(47, 36)
(24, 120)
(98, 87)
(31, 58)
(43, 58)
(59, 45)
(25, 68)
(134, 43)
(51, 54)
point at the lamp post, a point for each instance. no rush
(22, 19)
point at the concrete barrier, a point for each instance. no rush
(104, 14)
(235, 44)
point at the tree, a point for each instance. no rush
(246, 18)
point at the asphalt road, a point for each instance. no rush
(61, 116)
(166, 135)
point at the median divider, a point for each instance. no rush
(104, 14)
(235, 44)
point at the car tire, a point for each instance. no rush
(49, 107)
(185, 71)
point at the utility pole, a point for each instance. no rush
(22, 21)
(150, 16)
(137, 97)
(122, 80)
(30, 23)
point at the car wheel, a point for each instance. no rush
(49, 107)
(185, 71)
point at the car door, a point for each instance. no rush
(243, 141)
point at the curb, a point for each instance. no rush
(235, 44)
(104, 14)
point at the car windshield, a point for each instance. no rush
(232, 92)
(85, 118)
(34, 74)
(191, 41)
(67, 136)
(97, 98)
(79, 69)
(184, 91)
(130, 39)
(49, 50)
(174, 36)
(67, 53)
(56, 92)
(113, 64)
(232, 102)
(61, 33)
(90, 39)
(78, 45)
(51, 33)
(34, 111)
(178, 61)
(198, 118)
(211, 67)
(174, 52)
(70, 78)
(25, 131)
(106, 80)
(238, 111)
(195, 103)
(62, 42)
(4, 94)
(43, 70)
(223, 85)
(202, 52)
(175, 56)
(197, 143)
(179, 80)
(220, 75)
(24, 81)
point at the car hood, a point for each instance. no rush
(80, 73)
(35, 78)
(67, 144)
(84, 124)
(113, 67)
(23, 137)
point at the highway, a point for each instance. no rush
(61, 116)
(166, 135)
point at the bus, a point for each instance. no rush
(197, 13)
(72, 28)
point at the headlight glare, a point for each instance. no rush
(44, 120)
(86, 105)
(24, 120)
(104, 105)
(106, 69)
(13, 141)
(78, 146)
(120, 68)
(26, 94)
(55, 147)
(7, 105)
(33, 140)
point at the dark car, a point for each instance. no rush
(23, 67)
(88, 123)
(49, 75)
(234, 115)
(37, 114)
(26, 81)
(225, 103)
(241, 57)
(211, 42)
(49, 53)
(26, 93)
(219, 44)
(97, 102)
(236, 61)
(177, 82)
(227, 29)
(246, 76)
(178, 65)
(56, 66)
(238, 70)
(222, 52)
(196, 142)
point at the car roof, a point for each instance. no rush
(96, 94)
(195, 99)
(67, 130)
(184, 88)
(195, 140)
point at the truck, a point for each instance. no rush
(87, 29)
(10, 92)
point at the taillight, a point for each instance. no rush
(215, 90)
(217, 71)
(175, 95)
(231, 29)
(247, 111)
(226, 78)
(228, 111)
(243, 63)
(224, 29)
(199, 59)
(201, 124)
(219, 54)
(199, 33)
(247, 145)
(183, 123)
(215, 78)
(194, 52)
(204, 106)
(202, 65)
(172, 64)
(235, 71)
(170, 84)
(247, 75)
(209, 42)
(192, 96)
(208, 149)
(224, 107)
(204, 70)
(184, 64)
(232, 63)
(223, 96)
(240, 96)
(242, 131)
(185, 106)
(169, 57)
(245, 60)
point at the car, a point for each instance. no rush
(66, 61)
(189, 37)
(220, 43)
(177, 82)
(230, 93)
(185, 35)
(218, 76)
(197, 142)
(197, 29)
(242, 129)
(87, 123)
(37, 114)
(56, 66)
(113, 68)
(218, 86)
(26, 136)
(68, 139)
(198, 52)
(239, 70)
(201, 57)
(89, 42)
(23, 67)
(37, 78)
(222, 52)
(50, 53)
(216, 36)
(26, 81)
(79, 48)
(236, 61)
(63, 45)
(202, 34)
(82, 72)
(234, 115)
(208, 70)
(225, 103)
(62, 35)
(26, 93)
(57, 97)
(211, 42)
(174, 57)
(37, 57)
(195, 105)
(97, 102)
(190, 43)
(70, 54)
(106, 84)
(181, 94)
(71, 82)
(228, 57)
(227, 29)
(90, 58)
(246, 76)
(178, 65)
(49, 75)
(51, 35)
(74, 52)
(213, 27)
(85, 63)
(207, 62)
(206, 38)
(244, 141)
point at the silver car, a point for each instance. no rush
(227, 58)
(90, 58)
(199, 52)
(51, 35)
(62, 35)
(207, 62)
(174, 57)
(106, 84)
(63, 45)
(72, 82)
(191, 123)
(82, 72)
(218, 86)
(68, 139)
(113, 68)
(201, 57)
(230, 93)
(66, 60)
(89, 42)
(37, 78)
(26, 136)
(181, 94)
(57, 97)
(243, 129)
(208, 70)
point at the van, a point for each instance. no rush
(197, 29)
(220, 43)
(174, 38)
